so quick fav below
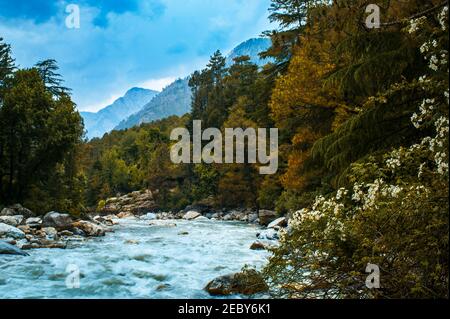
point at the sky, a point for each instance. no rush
(122, 44)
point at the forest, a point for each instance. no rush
(363, 146)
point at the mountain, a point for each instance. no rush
(252, 48)
(175, 99)
(97, 124)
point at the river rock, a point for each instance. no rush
(149, 216)
(15, 220)
(17, 209)
(257, 245)
(136, 203)
(248, 282)
(90, 229)
(266, 217)
(66, 233)
(199, 208)
(109, 220)
(131, 242)
(268, 234)
(163, 287)
(252, 218)
(228, 217)
(279, 222)
(7, 212)
(124, 215)
(201, 218)
(50, 233)
(11, 231)
(8, 249)
(49, 244)
(25, 228)
(78, 232)
(57, 220)
(190, 215)
(33, 222)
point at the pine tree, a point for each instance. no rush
(38, 132)
(292, 16)
(48, 70)
(6, 62)
(6, 70)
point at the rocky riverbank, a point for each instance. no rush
(22, 230)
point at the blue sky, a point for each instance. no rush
(125, 43)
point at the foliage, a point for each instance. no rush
(394, 210)
(39, 136)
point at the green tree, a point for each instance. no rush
(48, 70)
(38, 132)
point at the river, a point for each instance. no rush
(136, 261)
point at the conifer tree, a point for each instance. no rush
(48, 70)
(6, 61)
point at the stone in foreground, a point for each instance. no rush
(11, 220)
(11, 231)
(248, 282)
(7, 249)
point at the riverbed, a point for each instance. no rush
(137, 260)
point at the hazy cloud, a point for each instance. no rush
(122, 44)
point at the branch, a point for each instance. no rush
(415, 16)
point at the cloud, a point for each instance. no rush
(178, 48)
(137, 40)
(157, 84)
(36, 10)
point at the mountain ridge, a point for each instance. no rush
(177, 96)
(103, 121)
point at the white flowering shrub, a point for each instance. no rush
(394, 215)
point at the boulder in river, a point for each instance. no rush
(136, 203)
(90, 229)
(66, 233)
(33, 222)
(248, 282)
(25, 228)
(266, 217)
(15, 220)
(43, 243)
(201, 218)
(190, 215)
(7, 212)
(252, 218)
(257, 245)
(11, 231)
(279, 222)
(7, 249)
(50, 233)
(268, 234)
(17, 209)
(57, 220)
(149, 216)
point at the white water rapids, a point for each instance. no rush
(158, 263)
